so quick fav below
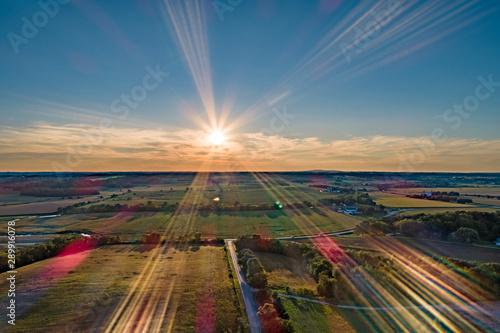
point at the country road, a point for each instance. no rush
(246, 291)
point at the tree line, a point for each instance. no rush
(442, 196)
(455, 226)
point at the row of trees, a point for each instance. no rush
(272, 313)
(253, 269)
(442, 196)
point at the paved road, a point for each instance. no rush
(246, 291)
(340, 233)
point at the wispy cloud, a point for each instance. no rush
(36, 147)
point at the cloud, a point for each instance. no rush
(81, 148)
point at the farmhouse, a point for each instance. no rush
(351, 210)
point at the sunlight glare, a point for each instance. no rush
(217, 138)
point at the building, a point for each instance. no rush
(351, 210)
(348, 209)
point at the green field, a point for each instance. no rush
(224, 224)
(193, 285)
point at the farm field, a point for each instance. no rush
(425, 247)
(483, 201)
(444, 210)
(401, 201)
(310, 317)
(249, 192)
(35, 207)
(481, 190)
(223, 224)
(13, 198)
(284, 271)
(455, 251)
(191, 284)
(230, 194)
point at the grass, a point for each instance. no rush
(401, 201)
(81, 291)
(310, 317)
(284, 271)
(102, 277)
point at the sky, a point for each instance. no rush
(142, 85)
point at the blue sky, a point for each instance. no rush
(427, 57)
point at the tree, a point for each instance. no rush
(254, 267)
(326, 285)
(270, 321)
(258, 280)
(197, 238)
(466, 235)
(409, 227)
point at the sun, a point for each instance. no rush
(217, 138)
